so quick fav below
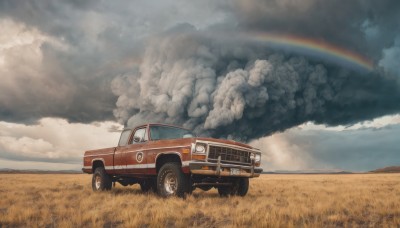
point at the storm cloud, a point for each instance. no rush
(222, 89)
(58, 58)
(191, 63)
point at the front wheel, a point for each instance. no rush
(171, 181)
(100, 180)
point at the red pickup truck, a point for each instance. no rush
(170, 160)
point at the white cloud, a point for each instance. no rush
(278, 153)
(361, 147)
(376, 123)
(27, 146)
(54, 140)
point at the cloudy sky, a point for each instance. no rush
(314, 85)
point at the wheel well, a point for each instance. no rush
(97, 164)
(165, 158)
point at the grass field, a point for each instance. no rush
(66, 200)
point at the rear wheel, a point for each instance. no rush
(243, 187)
(225, 190)
(171, 181)
(100, 180)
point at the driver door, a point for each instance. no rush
(134, 155)
(119, 160)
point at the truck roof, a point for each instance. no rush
(149, 124)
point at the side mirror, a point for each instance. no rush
(187, 136)
(136, 139)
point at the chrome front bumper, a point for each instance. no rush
(223, 170)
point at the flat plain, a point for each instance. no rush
(66, 200)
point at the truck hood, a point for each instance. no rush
(225, 141)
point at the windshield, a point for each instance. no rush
(167, 132)
(124, 137)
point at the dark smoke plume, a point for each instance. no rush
(224, 89)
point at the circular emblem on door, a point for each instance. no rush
(139, 157)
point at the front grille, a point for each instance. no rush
(229, 155)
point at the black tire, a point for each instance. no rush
(239, 187)
(225, 191)
(149, 184)
(243, 187)
(100, 180)
(171, 181)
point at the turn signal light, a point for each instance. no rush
(198, 157)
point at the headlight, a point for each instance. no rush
(200, 148)
(252, 156)
(257, 158)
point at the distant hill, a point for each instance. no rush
(37, 171)
(390, 169)
(313, 171)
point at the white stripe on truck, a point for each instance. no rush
(136, 166)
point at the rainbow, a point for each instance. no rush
(318, 47)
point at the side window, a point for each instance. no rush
(124, 138)
(140, 134)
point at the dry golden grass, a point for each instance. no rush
(61, 200)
